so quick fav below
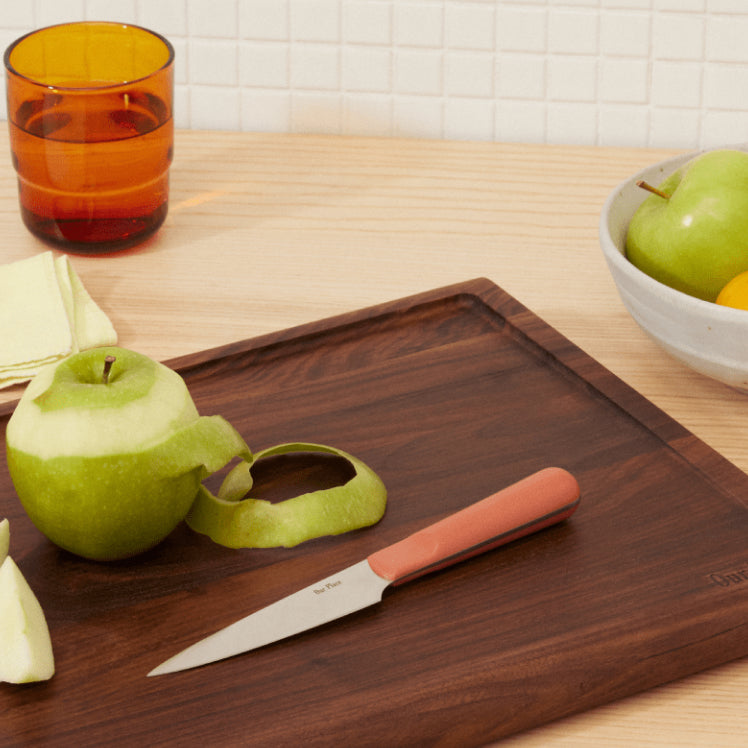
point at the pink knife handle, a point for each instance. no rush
(535, 502)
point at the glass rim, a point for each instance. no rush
(103, 87)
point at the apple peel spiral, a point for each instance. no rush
(234, 521)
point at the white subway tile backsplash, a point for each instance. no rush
(521, 121)
(725, 87)
(623, 124)
(674, 127)
(627, 4)
(367, 22)
(724, 128)
(213, 62)
(181, 61)
(625, 34)
(265, 111)
(572, 78)
(168, 17)
(263, 19)
(521, 29)
(626, 72)
(726, 38)
(726, 6)
(419, 24)
(315, 66)
(469, 119)
(16, 15)
(624, 80)
(418, 116)
(367, 69)
(418, 71)
(368, 114)
(181, 106)
(215, 107)
(694, 6)
(316, 112)
(111, 10)
(48, 12)
(315, 20)
(676, 84)
(678, 36)
(216, 18)
(470, 26)
(521, 76)
(468, 74)
(264, 65)
(572, 32)
(571, 124)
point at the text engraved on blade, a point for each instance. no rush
(326, 587)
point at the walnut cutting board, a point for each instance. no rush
(449, 396)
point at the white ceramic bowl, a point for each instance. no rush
(710, 338)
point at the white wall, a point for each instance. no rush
(670, 73)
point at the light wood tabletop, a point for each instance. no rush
(267, 231)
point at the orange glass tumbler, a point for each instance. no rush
(91, 132)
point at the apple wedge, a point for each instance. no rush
(25, 646)
(4, 539)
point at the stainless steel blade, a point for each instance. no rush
(533, 503)
(338, 595)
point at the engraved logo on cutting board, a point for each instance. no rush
(734, 578)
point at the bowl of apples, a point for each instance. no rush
(675, 238)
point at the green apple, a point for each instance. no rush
(25, 646)
(107, 452)
(693, 234)
(4, 539)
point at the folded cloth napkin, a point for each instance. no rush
(45, 315)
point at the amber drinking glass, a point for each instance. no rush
(91, 132)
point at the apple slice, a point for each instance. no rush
(4, 539)
(25, 646)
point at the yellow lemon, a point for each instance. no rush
(735, 293)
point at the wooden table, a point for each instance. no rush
(269, 231)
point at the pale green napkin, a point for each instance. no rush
(45, 315)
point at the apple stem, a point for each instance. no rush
(645, 186)
(108, 361)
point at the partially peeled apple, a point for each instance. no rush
(107, 451)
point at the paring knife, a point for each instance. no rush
(542, 499)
